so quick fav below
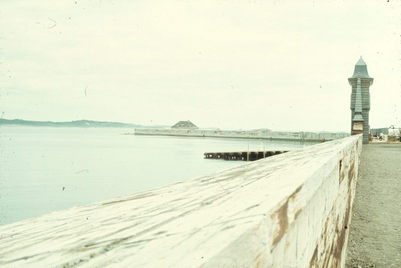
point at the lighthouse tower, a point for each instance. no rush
(360, 100)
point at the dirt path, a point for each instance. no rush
(375, 232)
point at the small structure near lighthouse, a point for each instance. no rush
(184, 125)
(360, 100)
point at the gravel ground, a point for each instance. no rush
(375, 232)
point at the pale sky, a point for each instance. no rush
(230, 64)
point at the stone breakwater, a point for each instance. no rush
(290, 210)
(257, 134)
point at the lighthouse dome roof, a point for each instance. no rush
(360, 70)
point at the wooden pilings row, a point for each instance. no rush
(242, 156)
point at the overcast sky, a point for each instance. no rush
(219, 63)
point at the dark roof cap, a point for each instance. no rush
(361, 70)
(361, 61)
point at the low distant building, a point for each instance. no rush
(378, 131)
(184, 125)
(390, 131)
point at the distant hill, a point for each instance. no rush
(78, 123)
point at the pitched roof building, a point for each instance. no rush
(185, 125)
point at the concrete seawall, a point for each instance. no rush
(289, 210)
(261, 134)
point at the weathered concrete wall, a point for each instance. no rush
(290, 210)
(262, 134)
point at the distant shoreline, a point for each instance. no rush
(77, 123)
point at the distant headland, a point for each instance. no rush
(77, 123)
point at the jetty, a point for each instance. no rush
(263, 134)
(242, 156)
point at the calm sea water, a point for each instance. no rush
(43, 169)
